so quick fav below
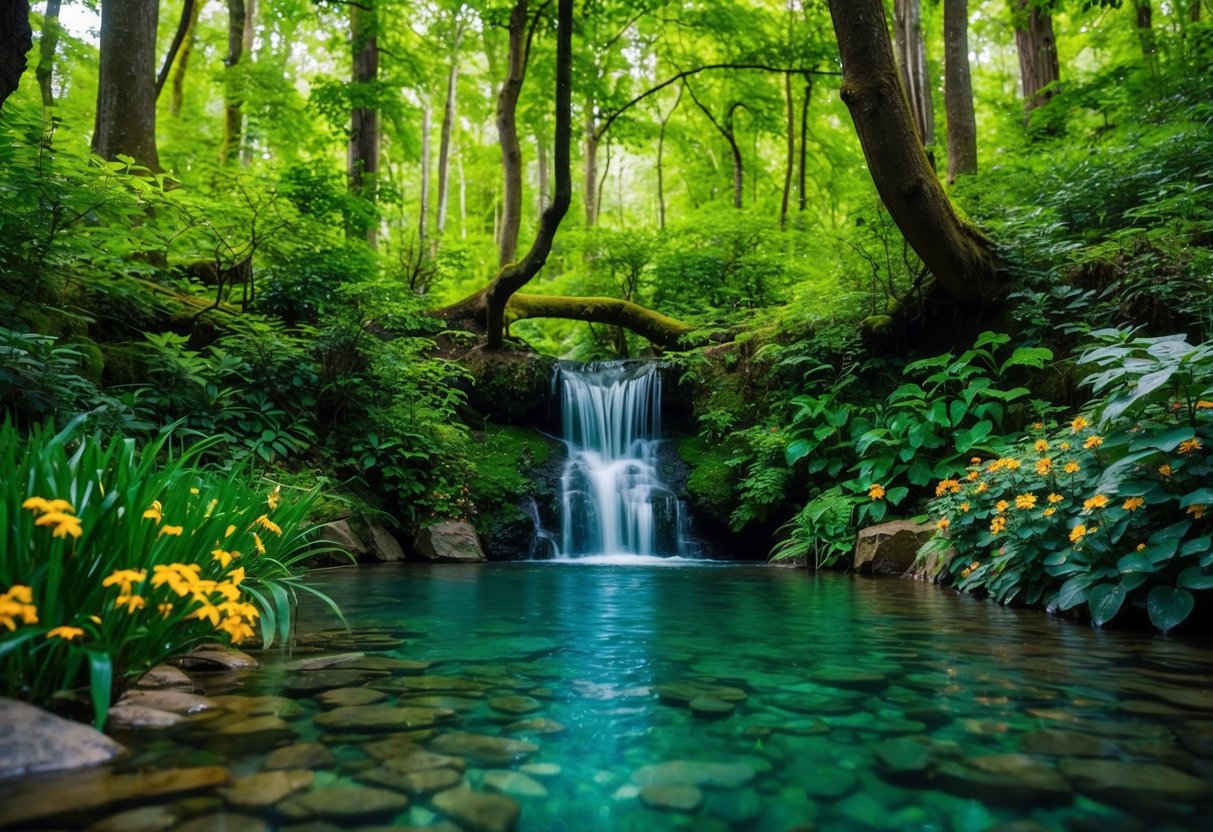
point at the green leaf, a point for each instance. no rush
(1194, 578)
(1136, 562)
(100, 685)
(797, 450)
(1166, 441)
(1169, 606)
(1105, 601)
(896, 495)
(995, 338)
(1028, 357)
(1074, 591)
(956, 412)
(1201, 497)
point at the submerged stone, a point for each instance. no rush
(822, 783)
(226, 821)
(259, 791)
(306, 755)
(413, 783)
(143, 819)
(315, 681)
(380, 718)
(478, 812)
(392, 665)
(1005, 780)
(482, 748)
(673, 798)
(514, 783)
(174, 701)
(514, 705)
(710, 775)
(681, 693)
(1059, 743)
(344, 805)
(343, 697)
(35, 741)
(421, 760)
(1135, 784)
(709, 707)
(535, 726)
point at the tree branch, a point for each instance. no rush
(662, 330)
(183, 26)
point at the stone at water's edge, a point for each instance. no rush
(35, 741)
(451, 541)
(339, 534)
(890, 548)
(383, 545)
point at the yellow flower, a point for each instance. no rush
(38, 505)
(64, 524)
(195, 491)
(1055, 498)
(65, 632)
(155, 512)
(1050, 511)
(207, 612)
(998, 525)
(229, 531)
(981, 487)
(1098, 501)
(124, 578)
(1025, 501)
(1038, 426)
(1065, 446)
(1141, 547)
(210, 508)
(1165, 469)
(1072, 467)
(228, 590)
(945, 486)
(1044, 466)
(964, 507)
(1092, 442)
(972, 475)
(260, 547)
(876, 492)
(224, 557)
(17, 603)
(974, 564)
(1204, 404)
(165, 609)
(943, 524)
(1079, 423)
(1078, 533)
(964, 573)
(131, 602)
(1041, 445)
(268, 524)
(975, 460)
(182, 578)
(236, 576)
(1197, 511)
(1189, 445)
(1012, 464)
(1133, 503)
(274, 498)
(172, 531)
(1001, 506)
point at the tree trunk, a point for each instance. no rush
(726, 130)
(804, 142)
(912, 60)
(541, 175)
(662, 330)
(362, 154)
(16, 39)
(665, 120)
(1144, 14)
(183, 60)
(47, 45)
(958, 90)
(233, 86)
(514, 276)
(126, 85)
(507, 132)
(791, 155)
(590, 179)
(1038, 65)
(960, 257)
(423, 212)
(449, 113)
(188, 14)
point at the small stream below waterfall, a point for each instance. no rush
(612, 500)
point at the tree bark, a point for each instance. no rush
(1039, 69)
(665, 120)
(958, 90)
(183, 61)
(126, 85)
(423, 212)
(514, 276)
(662, 330)
(188, 16)
(47, 45)
(16, 39)
(449, 113)
(541, 175)
(507, 132)
(726, 129)
(362, 154)
(1144, 14)
(959, 256)
(912, 60)
(590, 179)
(233, 86)
(791, 155)
(804, 143)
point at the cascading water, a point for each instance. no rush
(612, 500)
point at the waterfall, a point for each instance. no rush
(612, 500)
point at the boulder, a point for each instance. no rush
(890, 548)
(383, 545)
(339, 534)
(35, 741)
(451, 541)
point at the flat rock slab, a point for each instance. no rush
(414, 783)
(1005, 780)
(536, 726)
(479, 812)
(1134, 784)
(143, 819)
(344, 697)
(338, 660)
(279, 706)
(258, 728)
(83, 794)
(1055, 742)
(514, 705)
(830, 784)
(431, 684)
(711, 775)
(305, 755)
(494, 751)
(402, 667)
(260, 791)
(166, 677)
(841, 677)
(380, 718)
(514, 783)
(672, 798)
(35, 741)
(709, 707)
(216, 659)
(421, 760)
(174, 701)
(315, 681)
(344, 805)
(681, 693)
(131, 717)
(225, 821)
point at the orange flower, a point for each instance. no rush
(1044, 466)
(1197, 511)
(964, 507)
(1204, 404)
(1055, 498)
(65, 632)
(1050, 511)
(945, 486)
(1077, 534)
(876, 492)
(943, 524)
(1098, 501)
(998, 525)
(1165, 469)
(1041, 445)
(972, 475)
(1133, 503)
(172, 531)
(1025, 501)
(1079, 423)
(1189, 446)
(1092, 442)
(981, 487)
(1001, 506)
(1072, 467)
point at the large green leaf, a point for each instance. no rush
(1194, 578)
(1169, 606)
(1028, 357)
(1166, 441)
(1074, 591)
(1105, 601)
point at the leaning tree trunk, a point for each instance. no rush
(423, 209)
(233, 87)
(449, 113)
(665, 121)
(362, 153)
(958, 90)
(514, 276)
(804, 143)
(1039, 69)
(177, 98)
(16, 39)
(507, 133)
(912, 60)
(47, 45)
(126, 84)
(541, 175)
(590, 179)
(791, 155)
(1144, 14)
(189, 16)
(959, 256)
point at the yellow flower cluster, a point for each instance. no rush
(17, 604)
(57, 513)
(1189, 446)
(1099, 501)
(876, 492)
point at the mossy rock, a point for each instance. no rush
(710, 485)
(124, 362)
(92, 361)
(509, 387)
